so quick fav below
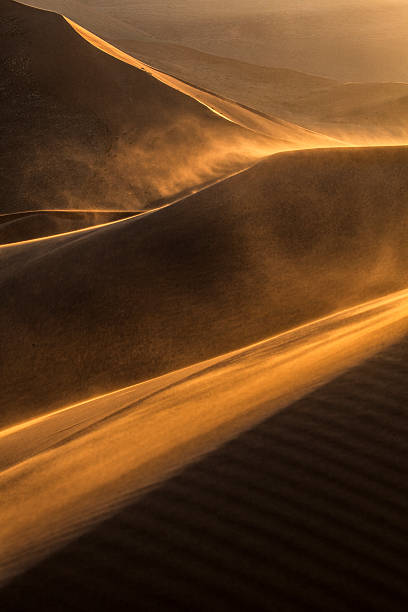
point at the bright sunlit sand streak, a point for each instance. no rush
(88, 459)
(64, 234)
(69, 211)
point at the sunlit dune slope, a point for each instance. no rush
(87, 460)
(84, 130)
(235, 79)
(91, 16)
(295, 237)
(21, 226)
(360, 113)
(306, 511)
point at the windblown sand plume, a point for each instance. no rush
(101, 134)
(204, 316)
(129, 301)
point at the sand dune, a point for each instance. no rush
(91, 132)
(364, 42)
(353, 113)
(92, 17)
(149, 430)
(307, 511)
(264, 88)
(285, 135)
(249, 257)
(108, 135)
(352, 40)
(360, 113)
(210, 71)
(171, 278)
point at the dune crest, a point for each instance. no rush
(287, 136)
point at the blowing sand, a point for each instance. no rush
(87, 460)
(174, 272)
(217, 271)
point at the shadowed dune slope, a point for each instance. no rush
(295, 237)
(306, 512)
(81, 129)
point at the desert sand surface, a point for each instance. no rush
(150, 430)
(359, 113)
(204, 306)
(75, 116)
(91, 17)
(307, 511)
(172, 287)
(285, 135)
(351, 40)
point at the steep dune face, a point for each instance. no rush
(84, 130)
(265, 89)
(295, 237)
(354, 113)
(281, 134)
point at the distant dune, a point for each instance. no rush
(296, 237)
(197, 66)
(90, 16)
(359, 113)
(348, 40)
